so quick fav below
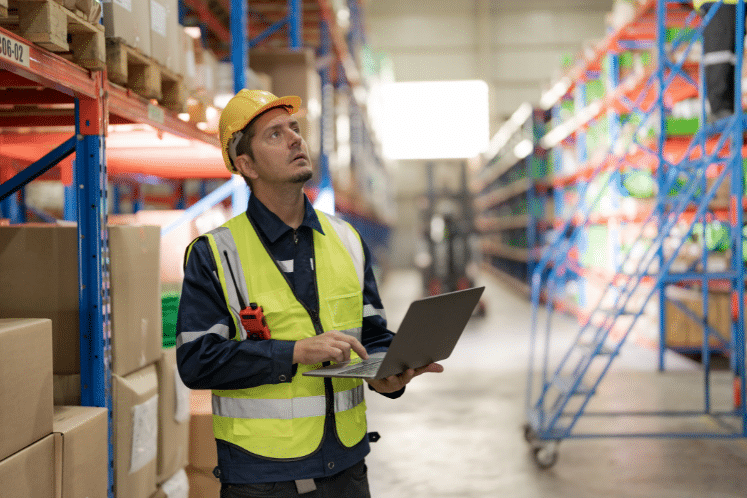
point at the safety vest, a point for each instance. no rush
(287, 420)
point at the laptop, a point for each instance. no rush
(428, 333)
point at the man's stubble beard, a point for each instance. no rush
(302, 177)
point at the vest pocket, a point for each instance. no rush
(346, 311)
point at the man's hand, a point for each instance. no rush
(329, 346)
(394, 383)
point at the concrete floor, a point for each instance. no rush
(459, 433)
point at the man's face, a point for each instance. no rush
(280, 152)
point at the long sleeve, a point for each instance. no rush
(207, 357)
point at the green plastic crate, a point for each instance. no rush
(169, 310)
(682, 126)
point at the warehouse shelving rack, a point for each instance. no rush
(509, 197)
(87, 101)
(559, 390)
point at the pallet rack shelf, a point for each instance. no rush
(505, 191)
(79, 105)
(633, 251)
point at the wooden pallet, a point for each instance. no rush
(130, 68)
(50, 25)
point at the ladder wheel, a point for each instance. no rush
(529, 435)
(545, 455)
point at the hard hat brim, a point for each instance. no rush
(291, 101)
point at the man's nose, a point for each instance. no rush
(294, 137)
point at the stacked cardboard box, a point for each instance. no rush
(39, 280)
(164, 31)
(26, 409)
(684, 332)
(130, 22)
(203, 456)
(187, 62)
(81, 451)
(173, 418)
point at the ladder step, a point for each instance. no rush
(616, 312)
(603, 351)
(565, 385)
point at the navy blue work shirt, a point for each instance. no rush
(213, 362)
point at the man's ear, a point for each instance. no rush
(246, 166)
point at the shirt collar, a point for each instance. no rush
(272, 226)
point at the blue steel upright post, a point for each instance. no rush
(661, 33)
(295, 24)
(93, 258)
(240, 61)
(326, 192)
(737, 195)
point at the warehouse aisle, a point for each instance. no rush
(459, 434)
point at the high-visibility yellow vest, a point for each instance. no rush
(286, 420)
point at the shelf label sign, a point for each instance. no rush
(156, 114)
(14, 51)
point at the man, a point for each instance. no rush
(719, 38)
(280, 433)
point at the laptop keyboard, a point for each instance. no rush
(367, 368)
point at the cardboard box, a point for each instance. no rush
(175, 61)
(164, 19)
(203, 454)
(172, 245)
(175, 487)
(128, 20)
(26, 408)
(40, 280)
(683, 331)
(66, 390)
(135, 429)
(135, 297)
(81, 451)
(202, 483)
(173, 418)
(206, 68)
(29, 472)
(188, 67)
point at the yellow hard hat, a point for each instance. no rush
(240, 110)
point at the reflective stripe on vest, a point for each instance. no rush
(697, 4)
(286, 420)
(285, 409)
(720, 57)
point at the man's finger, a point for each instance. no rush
(355, 345)
(430, 368)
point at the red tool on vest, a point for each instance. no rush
(252, 316)
(253, 320)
